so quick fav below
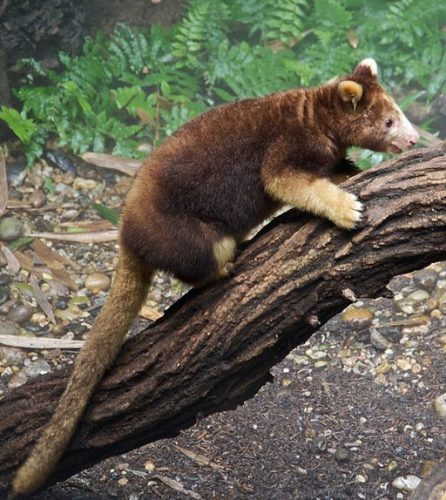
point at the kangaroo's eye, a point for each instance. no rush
(389, 122)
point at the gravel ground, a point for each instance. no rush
(357, 412)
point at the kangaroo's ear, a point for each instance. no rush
(350, 91)
(367, 68)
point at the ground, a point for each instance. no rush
(349, 414)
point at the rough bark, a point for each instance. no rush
(215, 347)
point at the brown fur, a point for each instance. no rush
(211, 182)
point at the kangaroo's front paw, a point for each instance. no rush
(349, 212)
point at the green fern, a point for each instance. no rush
(140, 85)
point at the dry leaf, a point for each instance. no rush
(3, 184)
(128, 166)
(55, 263)
(41, 299)
(39, 342)
(353, 39)
(27, 262)
(13, 263)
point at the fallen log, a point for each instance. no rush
(214, 348)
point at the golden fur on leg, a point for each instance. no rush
(316, 195)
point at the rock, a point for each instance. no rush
(61, 160)
(11, 356)
(38, 367)
(414, 303)
(37, 199)
(440, 405)
(379, 341)
(69, 215)
(97, 282)
(16, 172)
(17, 380)
(418, 296)
(149, 466)
(426, 278)
(4, 294)
(81, 183)
(407, 483)
(358, 316)
(20, 313)
(404, 364)
(11, 228)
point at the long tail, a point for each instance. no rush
(102, 346)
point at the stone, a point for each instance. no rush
(36, 368)
(17, 380)
(379, 341)
(440, 405)
(426, 278)
(407, 483)
(20, 313)
(83, 184)
(11, 228)
(359, 316)
(404, 364)
(97, 282)
(11, 356)
(4, 294)
(37, 199)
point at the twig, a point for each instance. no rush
(93, 237)
(40, 342)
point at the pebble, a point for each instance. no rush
(11, 228)
(17, 380)
(16, 172)
(20, 313)
(404, 364)
(149, 466)
(60, 160)
(69, 215)
(37, 199)
(80, 183)
(440, 405)
(97, 282)
(426, 278)
(37, 367)
(4, 294)
(407, 483)
(379, 341)
(357, 315)
(11, 356)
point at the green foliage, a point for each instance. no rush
(140, 85)
(107, 213)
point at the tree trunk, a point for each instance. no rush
(214, 348)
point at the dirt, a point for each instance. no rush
(333, 432)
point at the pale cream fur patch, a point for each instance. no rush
(224, 251)
(318, 196)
